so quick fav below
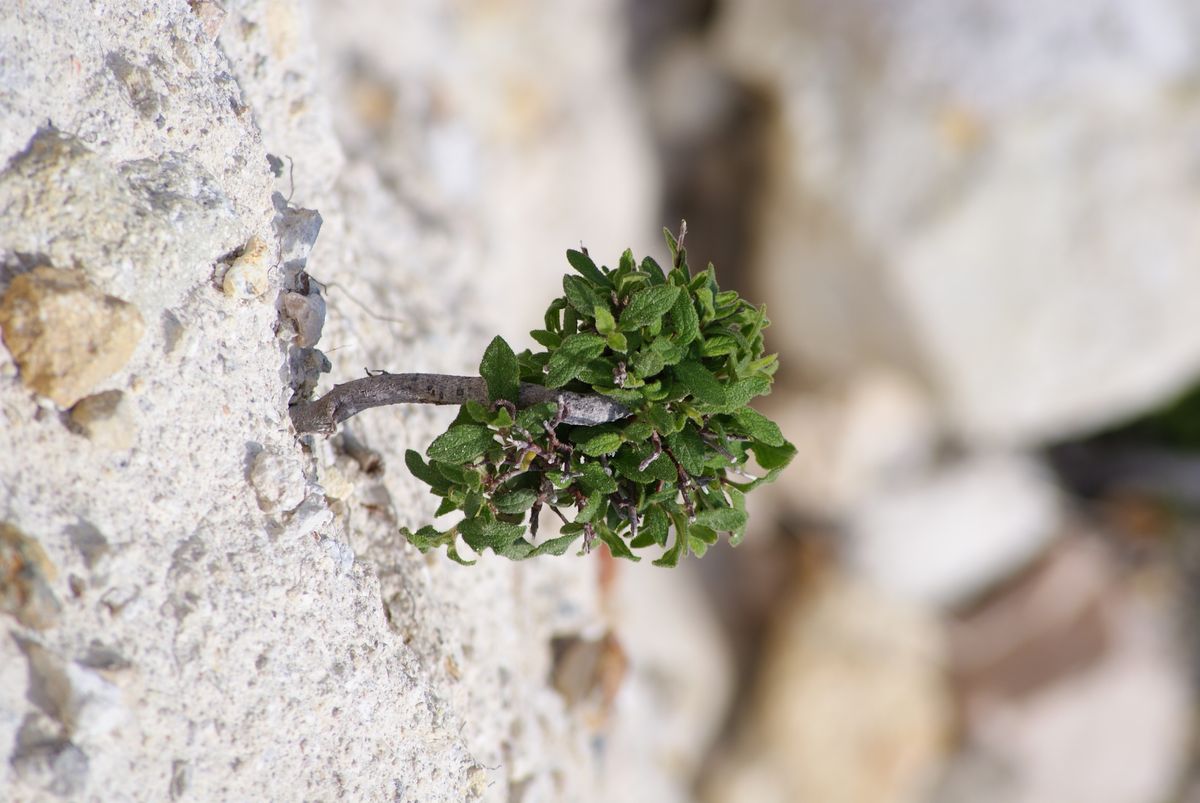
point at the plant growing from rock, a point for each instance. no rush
(632, 424)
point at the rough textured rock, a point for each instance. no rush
(107, 419)
(211, 646)
(997, 196)
(25, 577)
(65, 335)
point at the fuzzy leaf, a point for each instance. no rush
(596, 480)
(616, 545)
(648, 305)
(499, 370)
(604, 443)
(425, 473)
(581, 296)
(586, 267)
(685, 320)
(461, 444)
(758, 426)
(724, 519)
(515, 501)
(574, 352)
(498, 535)
(701, 383)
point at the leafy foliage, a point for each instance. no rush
(685, 357)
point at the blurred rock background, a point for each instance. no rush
(973, 224)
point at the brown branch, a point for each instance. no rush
(350, 398)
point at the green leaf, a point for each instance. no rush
(672, 243)
(596, 480)
(724, 519)
(671, 557)
(758, 426)
(499, 370)
(574, 352)
(700, 538)
(425, 473)
(627, 261)
(531, 418)
(515, 501)
(685, 320)
(589, 511)
(553, 546)
(670, 352)
(654, 271)
(655, 525)
(617, 342)
(587, 268)
(605, 323)
(648, 305)
(740, 393)
(616, 545)
(604, 443)
(647, 363)
(689, 450)
(461, 444)
(718, 345)
(497, 535)
(772, 457)
(638, 431)
(546, 338)
(581, 296)
(701, 383)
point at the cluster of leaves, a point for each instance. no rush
(684, 357)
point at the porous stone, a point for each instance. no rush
(25, 575)
(249, 275)
(106, 419)
(278, 480)
(44, 759)
(87, 705)
(307, 315)
(64, 333)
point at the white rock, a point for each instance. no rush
(107, 419)
(278, 480)
(309, 517)
(944, 537)
(1000, 198)
(86, 704)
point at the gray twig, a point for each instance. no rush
(376, 390)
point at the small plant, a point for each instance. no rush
(680, 359)
(635, 419)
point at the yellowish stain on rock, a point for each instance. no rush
(65, 334)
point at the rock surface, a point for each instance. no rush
(65, 335)
(106, 419)
(208, 644)
(995, 196)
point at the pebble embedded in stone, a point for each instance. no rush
(25, 572)
(86, 704)
(278, 481)
(307, 313)
(106, 419)
(248, 276)
(65, 334)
